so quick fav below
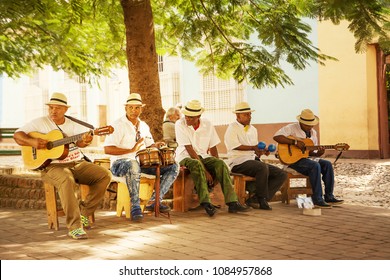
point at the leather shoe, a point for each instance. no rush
(210, 209)
(334, 200)
(264, 204)
(163, 208)
(136, 214)
(235, 207)
(252, 202)
(322, 204)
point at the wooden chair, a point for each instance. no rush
(289, 192)
(54, 211)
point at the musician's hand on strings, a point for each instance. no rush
(39, 143)
(320, 151)
(301, 145)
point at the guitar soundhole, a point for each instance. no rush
(49, 145)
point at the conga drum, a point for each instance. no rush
(167, 156)
(148, 157)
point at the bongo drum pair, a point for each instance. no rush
(153, 156)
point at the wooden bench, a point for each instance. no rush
(289, 192)
(240, 180)
(54, 211)
(8, 133)
(185, 196)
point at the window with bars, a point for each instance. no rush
(219, 98)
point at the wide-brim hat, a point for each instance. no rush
(193, 108)
(134, 99)
(307, 117)
(242, 107)
(58, 99)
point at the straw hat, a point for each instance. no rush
(307, 117)
(134, 99)
(193, 108)
(58, 99)
(242, 107)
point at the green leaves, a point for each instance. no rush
(250, 40)
(81, 37)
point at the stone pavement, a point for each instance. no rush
(347, 232)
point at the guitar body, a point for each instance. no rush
(56, 148)
(40, 158)
(288, 154)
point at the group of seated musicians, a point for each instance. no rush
(51, 144)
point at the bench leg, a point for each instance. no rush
(178, 193)
(51, 206)
(239, 188)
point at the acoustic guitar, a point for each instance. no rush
(289, 154)
(56, 148)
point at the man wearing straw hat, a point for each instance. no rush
(197, 150)
(131, 135)
(65, 173)
(241, 141)
(313, 167)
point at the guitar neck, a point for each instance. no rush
(326, 147)
(67, 140)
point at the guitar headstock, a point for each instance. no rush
(341, 147)
(103, 130)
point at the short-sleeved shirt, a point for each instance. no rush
(235, 136)
(295, 130)
(124, 136)
(201, 139)
(69, 128)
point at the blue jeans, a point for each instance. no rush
(131, 170)
(314, 170)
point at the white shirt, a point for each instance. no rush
(202, 139)
(295, 130)
(124, 137)
(236, 136)
(69, 128)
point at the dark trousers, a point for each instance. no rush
(316, 171)
(269, 178)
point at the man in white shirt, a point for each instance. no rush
(65, 173)
(197, 150)
(241, 140)
(131, 135)
(314, 167)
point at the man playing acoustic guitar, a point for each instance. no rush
(68, 169)
(294, 136)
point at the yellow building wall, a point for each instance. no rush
(348, 108)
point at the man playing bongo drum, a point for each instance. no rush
(130, 136)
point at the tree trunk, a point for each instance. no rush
(142, 61)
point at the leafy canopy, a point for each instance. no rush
(246, 39)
